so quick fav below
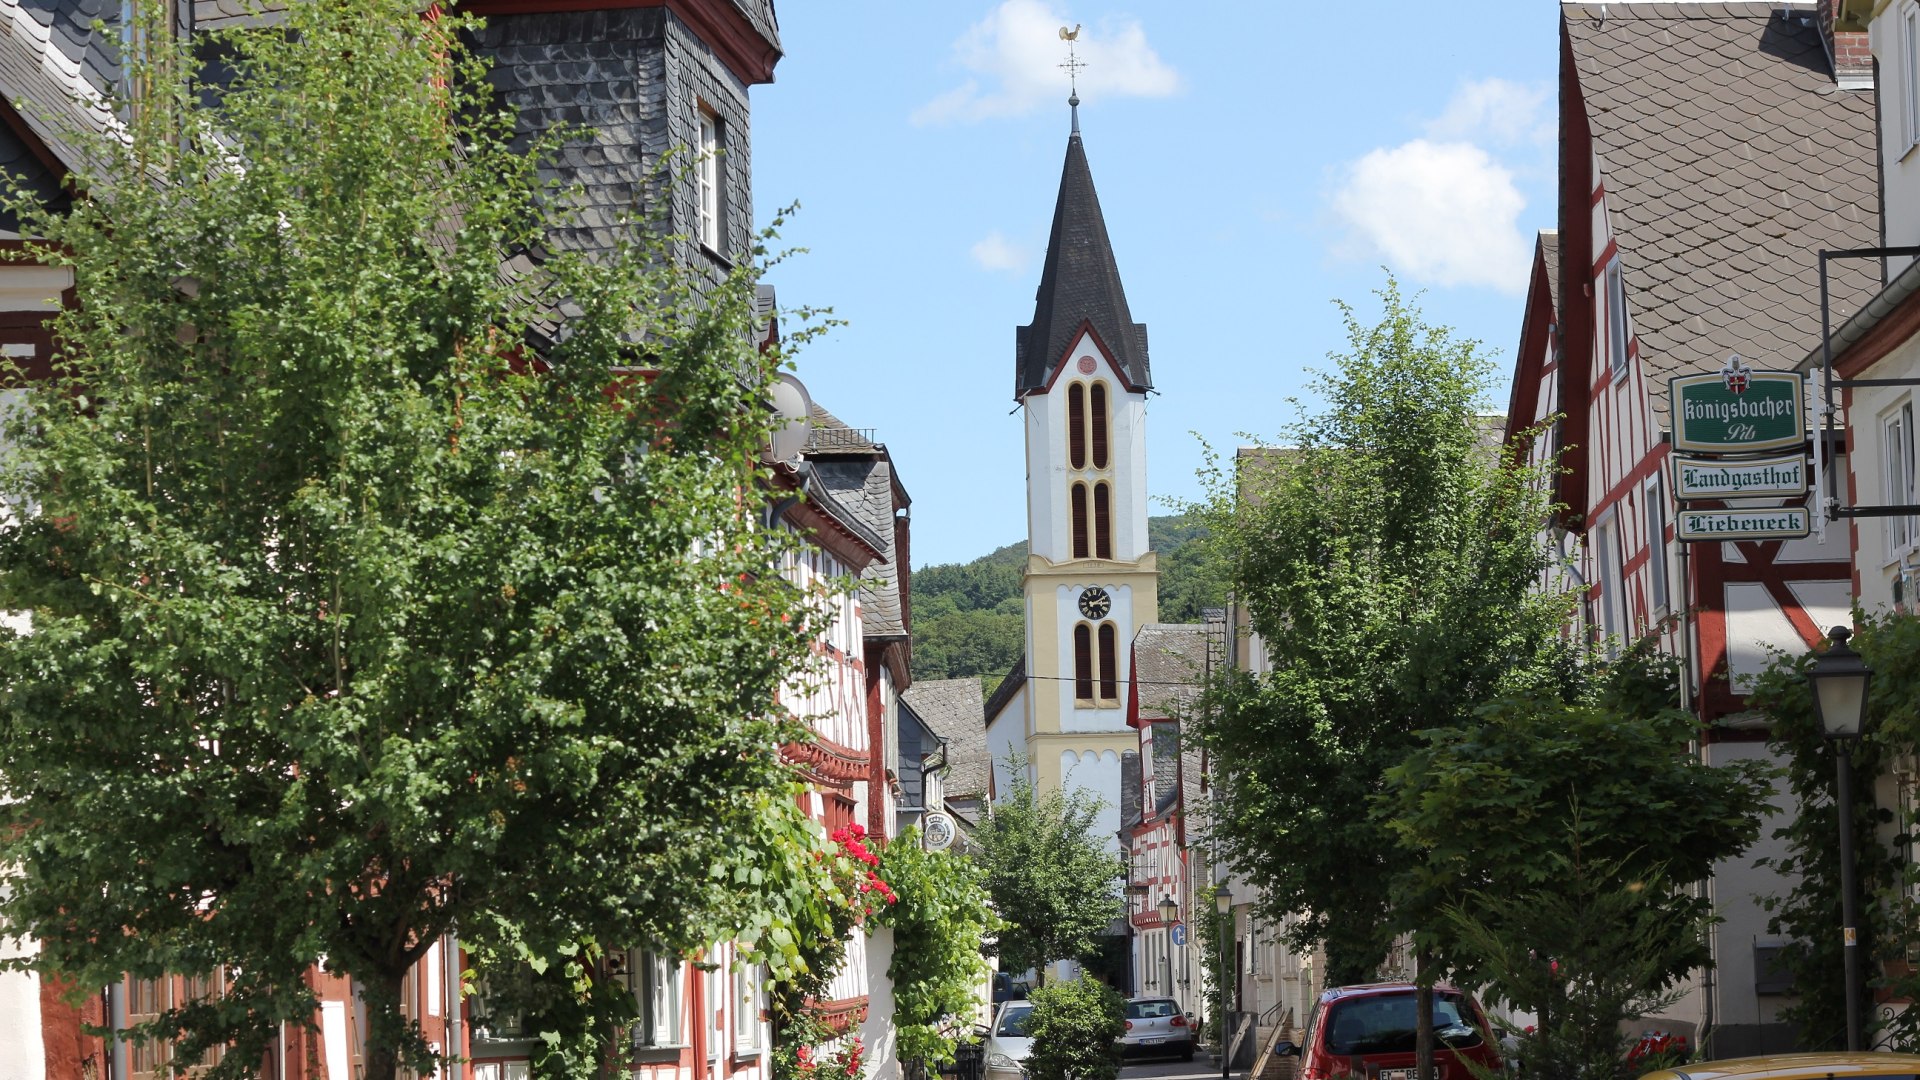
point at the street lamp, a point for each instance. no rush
(1223, 899)
(1169, 911)
(1839, 681)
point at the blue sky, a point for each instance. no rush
(1255, 161)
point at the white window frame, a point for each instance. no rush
(716, 1018)
(1910, 76)
(748, 1004)
(657, 984)
(1619, 333)
(1659, 590)
(1613, 589)
(707, 175)
(1897, 481)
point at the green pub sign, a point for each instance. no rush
(1737, 410)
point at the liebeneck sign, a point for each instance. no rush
(1783, 476)
(1754, 523)
(1737, 409)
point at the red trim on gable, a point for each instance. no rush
(1576, 330)
(1060, 364)
(749, 56)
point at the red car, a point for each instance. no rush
(1368, 1031)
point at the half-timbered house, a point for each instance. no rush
(1706, 150)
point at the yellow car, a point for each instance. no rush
(1840, 1066)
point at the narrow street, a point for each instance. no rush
(1172, 1069)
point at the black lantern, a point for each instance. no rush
(1839, 681)
(1169, 910)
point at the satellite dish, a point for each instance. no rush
(792, 419)
(939, 831)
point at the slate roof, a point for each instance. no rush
(1080, 282)
(1009, 686)
(1169, 662)
(1548, 243)
(1729, 158)
(953, 709)
(1166, 767)
(56, 72)
(1130, 788)
(858, 472)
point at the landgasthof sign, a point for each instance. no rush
(1737, 410)
(1782, 477)
(1747, 523)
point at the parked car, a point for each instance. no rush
(1369, 1031)
(1838, 1065)
(1155, 1025)
(1008, 1043)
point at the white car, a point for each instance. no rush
(1008, 1043)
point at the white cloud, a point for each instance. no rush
(1013, 57)
(996, 252)
(1497, 111)
(1445, 213)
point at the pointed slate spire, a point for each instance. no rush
(1080, 283)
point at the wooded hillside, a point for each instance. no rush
(968, 617)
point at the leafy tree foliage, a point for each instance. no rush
(1551, 830)
(1076, 1025)
(1051, 877)
(1808, 913)
(351, 624)
(1391, 563)
(939, 923)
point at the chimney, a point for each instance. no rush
(1846, 40)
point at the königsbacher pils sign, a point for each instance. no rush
(1737, 410)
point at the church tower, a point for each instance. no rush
(1081, 377)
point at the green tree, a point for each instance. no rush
(351, 622)
(940, 923)
(1552, 830)
(1076, 1026)
(1391, 562)
(1052, 879)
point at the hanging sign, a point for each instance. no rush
(1780, 477)
(1747, 523)
(1737, 410)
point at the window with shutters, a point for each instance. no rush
(1080, 547)
(1109, 662)
(1102, 521)
(1098, 422)
(1083, 662)
(146, 1000)
(1077, 426)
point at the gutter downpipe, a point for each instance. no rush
(456, 1034)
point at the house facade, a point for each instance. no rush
(1705, 152)
(662, 91)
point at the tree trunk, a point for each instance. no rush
(385, 1027)
(1423, 1016)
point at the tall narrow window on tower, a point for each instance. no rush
(1102, 520)
(1099, 418)
(1109, 662)
(1079, 521)
(707, 170)
(1077, 426)
(1082, 662)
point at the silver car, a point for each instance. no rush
(1008, 1042)
(1156, 1026)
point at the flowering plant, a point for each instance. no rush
(1658, 1050)
(858, 871)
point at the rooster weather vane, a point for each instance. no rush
(1072, 68)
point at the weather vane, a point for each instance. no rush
(1072, 67)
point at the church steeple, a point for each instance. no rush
(1079, 284)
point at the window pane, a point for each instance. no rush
(1079, 521)
(665, 1000)
(1083, 662)
(1099, 426)
(1102, 522)
(1077, 426)
(1109, 663)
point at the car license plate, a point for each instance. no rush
(1151, 1042)
(1396, 1074)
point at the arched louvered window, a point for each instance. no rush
(1083, 662)
(1102, 521)
(1109, 662)
(1077, 425)
(1098, 398)
(1079, 521)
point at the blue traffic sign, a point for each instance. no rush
(1179, 933)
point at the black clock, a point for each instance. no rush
(1095, 603)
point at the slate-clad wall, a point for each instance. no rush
(636, 77)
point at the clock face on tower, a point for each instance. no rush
(1095, 603)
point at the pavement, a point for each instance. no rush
(1175, 1069)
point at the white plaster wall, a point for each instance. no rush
(878, 1031)
(1900, 162)
(1738, 887)
(1007, 740)
(1877, 563)
(1098, 774)
(23, 1056)
(1049, 530)
(1757, 630)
